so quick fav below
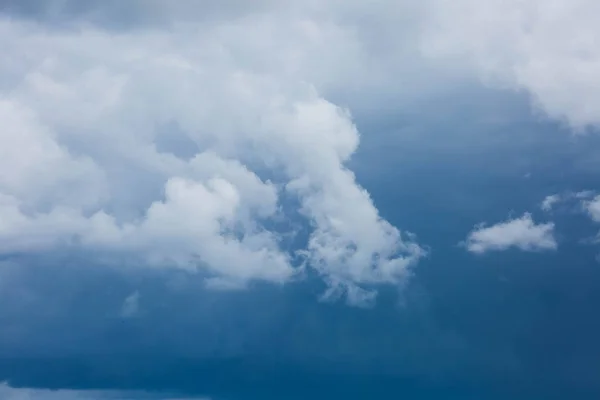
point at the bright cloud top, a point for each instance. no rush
(521, 233)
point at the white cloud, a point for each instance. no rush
(83, 109)
(550, 201)
(87, 108)
(523, 45)
(522, 233)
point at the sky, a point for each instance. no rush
(292, 199)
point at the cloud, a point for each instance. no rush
(580, 198)
(517, 44)
(131, 305)
(592, 207)
(222, 116)
(508, 44)
(88, 110)
(550, 201)
(522, 233)
(10, 393)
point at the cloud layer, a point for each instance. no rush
(9, 393)
(163, 133)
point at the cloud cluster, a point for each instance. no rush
(169, 133)
(186, 146)
(522, 233)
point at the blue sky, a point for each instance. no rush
(309, 199)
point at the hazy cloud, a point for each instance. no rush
(131, 305)
(550, 201)
(593, 208)
(10, 393)
(518, 44)
(83, 110)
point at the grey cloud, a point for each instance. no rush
(506, 44)
(128, 14)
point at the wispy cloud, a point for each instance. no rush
(521, 233)
(83, 169)
(550, 201)
(11, 393)
(592, 207)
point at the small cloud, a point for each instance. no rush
(522, 233)
(569, 198)
(592, 207)
(550, 201)
(354, 295)
(584, 194)
(131, 305)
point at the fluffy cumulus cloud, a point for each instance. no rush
(172, 134)
(521, 233)
(184, 145)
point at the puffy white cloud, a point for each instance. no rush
(86, 109)
(548, 48)
(522, 233)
